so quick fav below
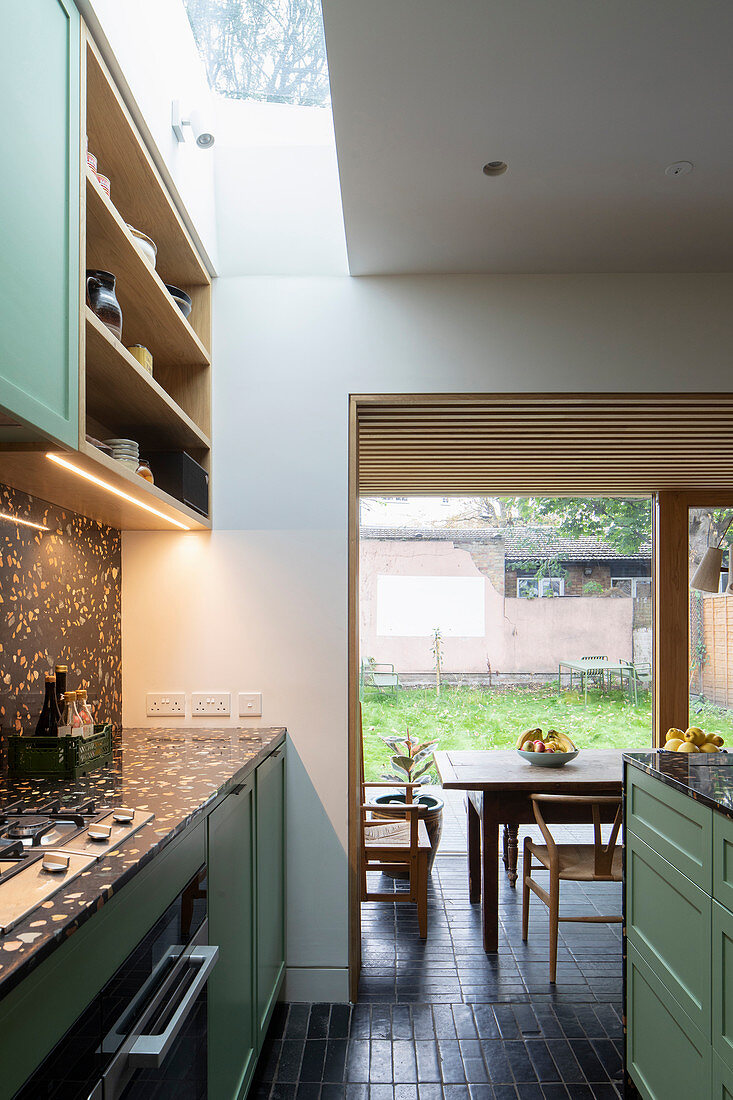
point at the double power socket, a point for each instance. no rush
(204, 704)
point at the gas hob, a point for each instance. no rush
(44, 847)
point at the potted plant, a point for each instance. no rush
(412, 762)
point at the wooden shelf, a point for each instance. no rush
(149, 314)
(137, 188)
(32, 471)
(129, 401)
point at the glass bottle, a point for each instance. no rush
(72, 718)
(85, 712)
(144, 471)
(50, 718)
(61, 673)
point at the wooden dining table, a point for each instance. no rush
(499, 784)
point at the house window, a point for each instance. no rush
(529, 588)
(636, 587)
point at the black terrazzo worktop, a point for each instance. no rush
(175, 774)
(706, 777)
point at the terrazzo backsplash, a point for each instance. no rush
(60, 597)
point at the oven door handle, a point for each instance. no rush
(149, 1051)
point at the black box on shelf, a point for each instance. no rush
(175, 472)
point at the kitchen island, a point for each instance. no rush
(678, 910)
(217, 797)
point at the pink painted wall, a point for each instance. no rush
(519, 635)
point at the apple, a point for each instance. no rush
(540, 746)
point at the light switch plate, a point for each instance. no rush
(165, 704)
(211, 704)
(250, 704)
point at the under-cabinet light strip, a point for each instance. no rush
(25, 522)
(113, 489)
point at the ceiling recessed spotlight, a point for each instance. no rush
(495, 168)
(679, 168)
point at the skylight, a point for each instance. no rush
(268, 50)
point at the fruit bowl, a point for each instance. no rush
(547, 759)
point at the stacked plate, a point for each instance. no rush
(126, 451)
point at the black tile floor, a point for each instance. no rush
(441, 1020)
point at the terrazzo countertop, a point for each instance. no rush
(175, 774)
(708, 777)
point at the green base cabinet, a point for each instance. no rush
(246, 835)
(722, 1080)
(667, 1056)
(270, 780)
(232, 1039)
(39, 227)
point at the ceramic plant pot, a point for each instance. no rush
(431, 812)
(102, 300)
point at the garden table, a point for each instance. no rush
(586, 668)
(499, 784)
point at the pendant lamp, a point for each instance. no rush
(707, 574)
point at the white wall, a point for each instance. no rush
(262, 603)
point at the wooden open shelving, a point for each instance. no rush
(168, 411)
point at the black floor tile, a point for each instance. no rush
(442, 1020)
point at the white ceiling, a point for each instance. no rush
(586, 100)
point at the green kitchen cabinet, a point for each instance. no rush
(39, 218)
(722, 1080)
(664, 910)
(231, 994)
(270, 783)
(672, 824)
(723, 983)
(668, 1057)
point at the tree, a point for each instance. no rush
(273, 50)
(624, 523)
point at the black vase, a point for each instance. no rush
(102, 300)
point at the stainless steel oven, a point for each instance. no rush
(145, 1035)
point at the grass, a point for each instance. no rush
(482, 718)
(476, 718)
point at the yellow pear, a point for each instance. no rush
(716, 739)
(688, 746)
(674, 733)
(707, 747)
(695, 734)
(673, 745)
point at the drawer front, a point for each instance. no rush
(673, 824)
(723, 860)
(668, 920)
(722, 981)
(666, 1055)
(722, 1080)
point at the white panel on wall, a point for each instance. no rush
(412, 607)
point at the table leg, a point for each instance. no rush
(505, 847)
(490, 873)
(510, 839)
(474, 852)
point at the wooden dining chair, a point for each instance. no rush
(597, 862)
(397, 843)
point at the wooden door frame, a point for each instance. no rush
(670, 665)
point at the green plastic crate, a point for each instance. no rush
(63, 757)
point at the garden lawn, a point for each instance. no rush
(476, 718)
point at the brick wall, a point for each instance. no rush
(488, 557)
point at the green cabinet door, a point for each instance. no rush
(722, 1080)
(667, 1056)
(231, 989)
(668, 920)
(674, 825)
(270, 780)
(39, 216)
(722, 959)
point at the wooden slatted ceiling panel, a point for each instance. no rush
(555, 443)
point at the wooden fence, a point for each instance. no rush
(717, 673)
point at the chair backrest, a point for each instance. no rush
(604, 853)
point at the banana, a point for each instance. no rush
(529, 735)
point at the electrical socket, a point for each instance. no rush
(166, 704)
(250, 704)
(211, 704)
